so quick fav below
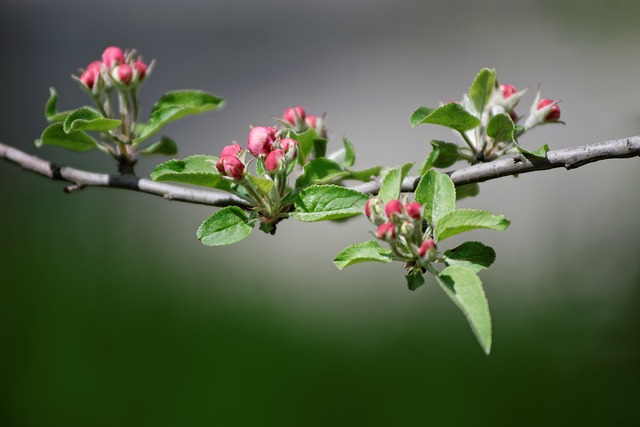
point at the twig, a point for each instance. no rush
(569, 158)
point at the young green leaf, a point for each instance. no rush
(482, 88)
(51, 108)
(86, 118)
(415, 279)
(349, 154)
(265, 185)
(540, 152)
(177, 104)
(392, 183)
(462, 220)
(305, 143)
(451, 115)
(328, 202)
(472, 255)
(443, 154)
(75, 141)
(464, 288)
(319, 147)
(194, 170)
(467, 190)
(319, 171)
(437, 193)
(165, 146)
(362, 252)
(501, 128)
(228, 225)
(365, 174)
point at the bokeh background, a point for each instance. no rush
(112, 313)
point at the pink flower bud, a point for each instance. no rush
(141, 68)
(426, 248)
(112, 56)
(367, 207)
(393, 207)
(311, 121)
(123, 73)
(95, 65)
(230, 166)
(290, 114)
(288, 144)
(274, 160)
(414, 210)
(231, 150)
(260, 140)
(386, 231)
(554, 112)
(508, 90)
(89, 77)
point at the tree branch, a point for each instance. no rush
(568, 158)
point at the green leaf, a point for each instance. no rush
(75, 141)
(392, 183)
(228, 225)
(451, 115)
(482, 88)
(86, 118)
(414, 279)
(472, 255)
(51, 108)
(437, 193)
(362, 252)
(462, 220)
(349, 154)
(501, 128)
(467, 190)
(305, 143)
(165, 147)
(319, 171)
(327, 202)
(443, 154)
(464, 288)
(319, 147)
(540, 152)
(265, 185)
(364, 175)
(195, 170)
(177, 104)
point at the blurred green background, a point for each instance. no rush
(112, 313)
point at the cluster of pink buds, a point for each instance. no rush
(400, 223)
(296, 118)
(265, 144)
(508, 97)
(117, 68)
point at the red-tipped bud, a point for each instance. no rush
(274, 160)
(508, 90)
(288, 144)
(311, 121)
(231, 150)
(141, 68)
(367, 207)
(386, 231)
(290, 114)
(554, 112)
(414, 210)
(260, 140)
(112, 56)
(230, 166)
(89, 77)
(427, 248)
(123, 74)
(393, 207)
